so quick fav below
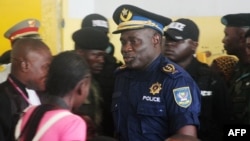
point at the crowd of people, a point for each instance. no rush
(160, 92)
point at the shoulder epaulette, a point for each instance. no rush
(169, 68)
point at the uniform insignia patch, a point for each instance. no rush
(169, 68)
(126, 15)
(182, 96)
(155, 88)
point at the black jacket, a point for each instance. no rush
(11, 106)
(214, 100)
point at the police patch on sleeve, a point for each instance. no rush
(182, 96)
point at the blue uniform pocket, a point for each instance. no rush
(153, 117)
(151, 109)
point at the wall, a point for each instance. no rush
(52, 23)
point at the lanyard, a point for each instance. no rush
(19, 90)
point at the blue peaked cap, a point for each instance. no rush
(129, 17)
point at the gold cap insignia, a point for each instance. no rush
(32, 23)
(126, 15)
(169, 68)
(155, 88)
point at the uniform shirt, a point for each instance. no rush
(152, 104)
(214, 100)
(68, 128)
(239, 92)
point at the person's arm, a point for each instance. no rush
(188, 130)
(182, 137)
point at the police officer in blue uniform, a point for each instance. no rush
(153, 98)
(236, 25)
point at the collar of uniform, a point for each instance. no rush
(155, 64)
(146, 74)
(19, 84)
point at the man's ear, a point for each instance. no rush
(156, 39)
(78, 88)
(25, 66)
(194, 45)
(82, 86)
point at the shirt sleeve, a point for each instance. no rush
(183, 103)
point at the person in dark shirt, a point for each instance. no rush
(234, 41)
(105, 78)
(30, 59)
(181, 42)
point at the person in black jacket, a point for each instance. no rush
(30, 59)
(234, 43)
(180, 46)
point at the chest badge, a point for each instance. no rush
(155, 88)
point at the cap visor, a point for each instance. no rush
(173, 34)
(125, 28)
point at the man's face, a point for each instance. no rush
(178, 51)
(231, 41)
(95, 59)
(138, 48)
(38, 64)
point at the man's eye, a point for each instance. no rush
(123, 42)
(133, 42)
